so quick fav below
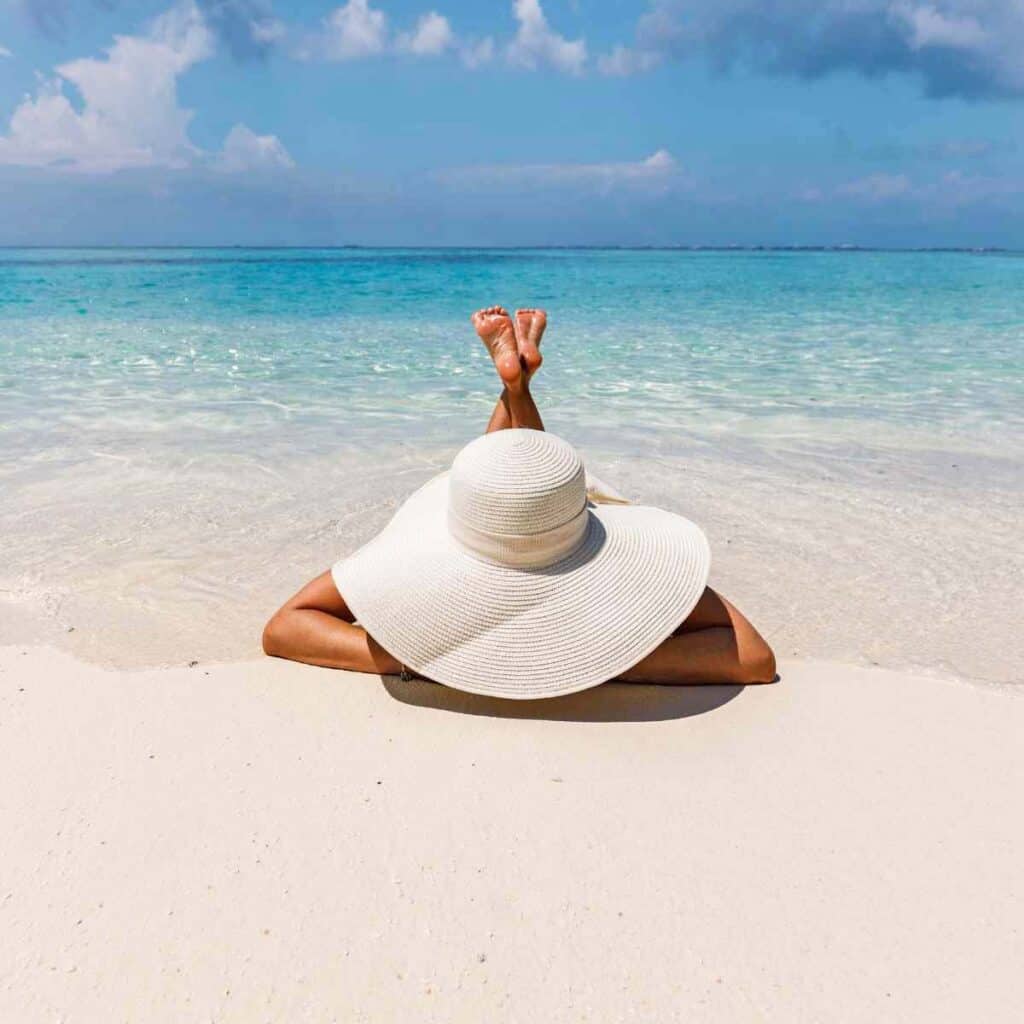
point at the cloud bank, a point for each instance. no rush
(356, 30)
(969, 48)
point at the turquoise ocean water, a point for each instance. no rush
(272, 349)
(186, 436)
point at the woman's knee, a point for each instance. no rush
(756, 662)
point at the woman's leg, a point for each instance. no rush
(716, 644)
(316, 626)
(515, 407)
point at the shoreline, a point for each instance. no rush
(265, 839)
(48, 639)
(144, 560)
(51, 640)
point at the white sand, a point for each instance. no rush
(267, 842)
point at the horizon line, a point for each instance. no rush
(838, 248)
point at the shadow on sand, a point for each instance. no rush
(612, 702)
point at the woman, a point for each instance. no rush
(518, 576)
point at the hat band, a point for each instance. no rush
(521, 550)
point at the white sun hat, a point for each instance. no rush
(500, 577)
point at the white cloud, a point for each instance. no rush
(661, 162)
(432, 36)
(536, 44)
(129, 113)
(4, 52)
(244, 150)
(358, 30)
(477, 53)
(355, 30)
(655, 173)
(624, 60)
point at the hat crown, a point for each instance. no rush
(516, 483)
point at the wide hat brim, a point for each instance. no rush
(524, 633)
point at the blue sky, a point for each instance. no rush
(870, 122)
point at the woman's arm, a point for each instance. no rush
(316, 627)
(716, 644)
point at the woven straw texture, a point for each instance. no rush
(517, 482)
(487, 628)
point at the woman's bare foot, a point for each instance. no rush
(530, 324)
(498, 335)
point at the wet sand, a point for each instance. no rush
(904, 560)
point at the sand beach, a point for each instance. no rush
(264, 841)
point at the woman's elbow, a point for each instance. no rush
(275, 634)
(758, 664)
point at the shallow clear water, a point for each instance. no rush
(188, 435)
(250, 347)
